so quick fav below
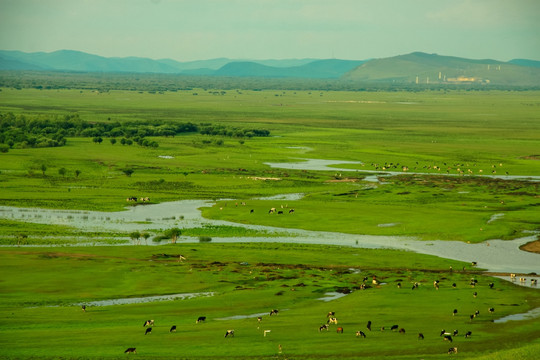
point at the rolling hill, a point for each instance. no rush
(425, 68)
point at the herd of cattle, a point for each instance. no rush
(332, 320)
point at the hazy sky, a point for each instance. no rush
(274, 29)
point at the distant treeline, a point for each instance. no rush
(22, 131)
(155, 83)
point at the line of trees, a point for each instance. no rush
(21, 131)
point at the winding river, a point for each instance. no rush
(495, 255)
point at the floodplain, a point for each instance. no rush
(430, 166)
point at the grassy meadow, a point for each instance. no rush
(451, 142)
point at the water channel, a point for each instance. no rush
(494, 255)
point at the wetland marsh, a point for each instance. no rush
(387, 211)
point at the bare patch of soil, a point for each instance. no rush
(533, 246)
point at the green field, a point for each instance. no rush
(453, 143)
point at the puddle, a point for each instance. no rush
(329, 296)
(387, 225)
(532, 314)
(146, 299)
(240, 317)
(495, 217)
(141, 300)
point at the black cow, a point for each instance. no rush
(229, 333)
(251, 211)
(173, 328)
(420, 336)
(491, 285)
(402, 331)
(280, 212)
(148, 331)
(394, 327)
(491, 310)
(361, 334)
(448, 338)
(274, 312)
(455, 332)
(455, 312)
(201, 319)
(468, 334)
(369, 325)
(130, 351)
(83, 308)
(291, 211)
(323, 327)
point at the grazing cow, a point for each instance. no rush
(266, 332)
(534, 282)
(173, 328)
(291, 211)
(274, 312)
(339, 330)
(491, 310)
(324, 327)
(420, 336)
(148, 331)
(83, 308)
(471, 317)
(415, 286)
(272, 210)
(201, 319)
(474, 263)
(399, 285)
(229, 333)
(455, 333)
(454, 285)
(468, 334)
(251, 211)
(331, 313)
(148, 323)
(435, 283)
(491, 285)
(360, 333)
(369, 325)
(130, 351)
(455, 312)
(332, 320)
(402, 331)
(452, 350)
(259, 318)
(280, 212)
(443, 332)
(394, 327)
(448, 338)
(476, 313)
(475, 294)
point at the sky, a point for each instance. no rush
(186, 30)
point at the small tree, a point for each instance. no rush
(135, 236)
(128, 171)
(77, 173)
(62, 171)
(43, 169)
(173, 234)
(21, 239)
(113, 141)
(145, 235)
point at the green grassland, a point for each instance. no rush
(251, 279)
(433, 133)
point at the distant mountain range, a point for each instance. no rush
(412, 68)
(69, 60)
